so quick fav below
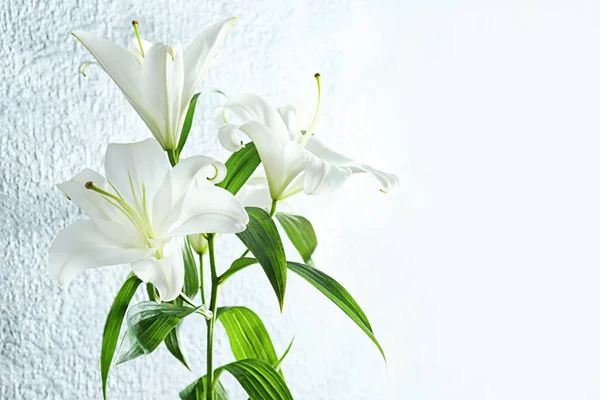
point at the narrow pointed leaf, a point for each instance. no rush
(262, 239)
(172, 341)
(151, 290)
(338, 294)
(259, 379)
(285, 353)
(187, 124)
(301, 233)
(191, 281)
(248, 337)
(197, 391)
(236, 266)
(148, 324)
(240, 166)
(112, 327)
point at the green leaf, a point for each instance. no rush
(301, 233)
(262, 239)
(285, 353)
(240, 166)
(191, 280)
(151, 290)
(248, 337)
(172, 342)
(148, 324)
(236, 266)
(259, 379)
(112, 327)
(187, 124)
(197, 391)
(336, 293)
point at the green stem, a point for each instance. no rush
(273, 207)
(244, 253)
(172, 157)
(201, 271)
(210, 324)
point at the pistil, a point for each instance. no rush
(311, 127)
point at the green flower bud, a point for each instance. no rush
(198, 243)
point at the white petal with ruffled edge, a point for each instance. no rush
(386, 180)
(322, 176)
(82, 246)
(166, 274)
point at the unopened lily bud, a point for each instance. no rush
(198, 243)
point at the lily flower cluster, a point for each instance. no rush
(152, 209)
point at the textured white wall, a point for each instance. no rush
(479, 274)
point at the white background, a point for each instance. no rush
(479, 274)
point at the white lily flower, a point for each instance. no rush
(293, 160)
(158, 80)
(138, 211)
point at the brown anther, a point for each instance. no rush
(134, 22)
(317, 75)
(89, 184)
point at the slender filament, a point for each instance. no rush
(311, 127)
(136, 28)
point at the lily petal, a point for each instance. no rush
(273, 153)
(198, 57)
(314, 146)
(179, 180)
(290, 119)
(134, 49)
(81, 246)
(135, 168)
(322, 176)
(387, 181)
(122, 67)
(163, 74)
(251, 107)
(91, 202)
(115, 60)
(166, 274)
(255, 193)
(207, 209)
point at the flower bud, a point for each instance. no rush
(198, 243)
